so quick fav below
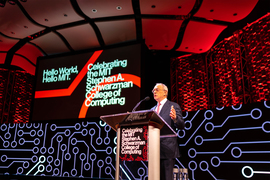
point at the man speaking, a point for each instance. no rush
(172, 114)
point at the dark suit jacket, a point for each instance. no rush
(169, 148)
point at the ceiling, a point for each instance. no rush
(33, 28)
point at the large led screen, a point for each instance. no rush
(88, 84)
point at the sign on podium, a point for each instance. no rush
(138, 138)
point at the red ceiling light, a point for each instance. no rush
(11, 2)
(2, 3)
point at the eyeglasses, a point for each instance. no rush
(157, 90)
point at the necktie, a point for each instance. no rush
(158, 108)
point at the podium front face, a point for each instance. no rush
(133, 143)
(140, 143)
(138, 139)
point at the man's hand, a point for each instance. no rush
(173, 114)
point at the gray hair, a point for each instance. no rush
(164, 87)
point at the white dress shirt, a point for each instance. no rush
(161, 105)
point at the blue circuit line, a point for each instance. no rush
(97, 127)
(253, 162)
(129, 170)
(125, 172)
(45, 133)
(211, 174)
(62, 163)
(180, 163)
(68, 143)
(2, 138)
(221, 152)
(111, 175)
(112, 166)
(107, 133)
(99, 173)
(261, 172)
(70, 138)
(194, 115)
(74, 165)
(55, 136)
(144, 165)
(32, 168)
(208, 152)
(193, 133)
(239, 115)
(12, 163)
(236, 129)
(255, 152)
(15, 133)
(20, 158)
(93, 145)
(87, 149)
(8, 128)
(82, 168)
(251, 142)
(92, 168)
(16, 150)
(44, 138)
(58, 150)
(64, 127)
(193, 175)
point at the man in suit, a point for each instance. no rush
(172, 114)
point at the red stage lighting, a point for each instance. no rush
(2, 3)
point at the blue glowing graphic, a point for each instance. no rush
(78, 150)
(224, 143)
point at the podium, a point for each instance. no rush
(148, 124)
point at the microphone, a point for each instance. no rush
(145, 99)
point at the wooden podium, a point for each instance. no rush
(132, 122)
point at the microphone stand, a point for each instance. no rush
(145, 99)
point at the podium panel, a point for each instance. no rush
(133, 143)
(138, 138)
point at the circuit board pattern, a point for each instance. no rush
(85, 149)
(227, 143)
(222, 143)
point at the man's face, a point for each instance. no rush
(159, 93)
